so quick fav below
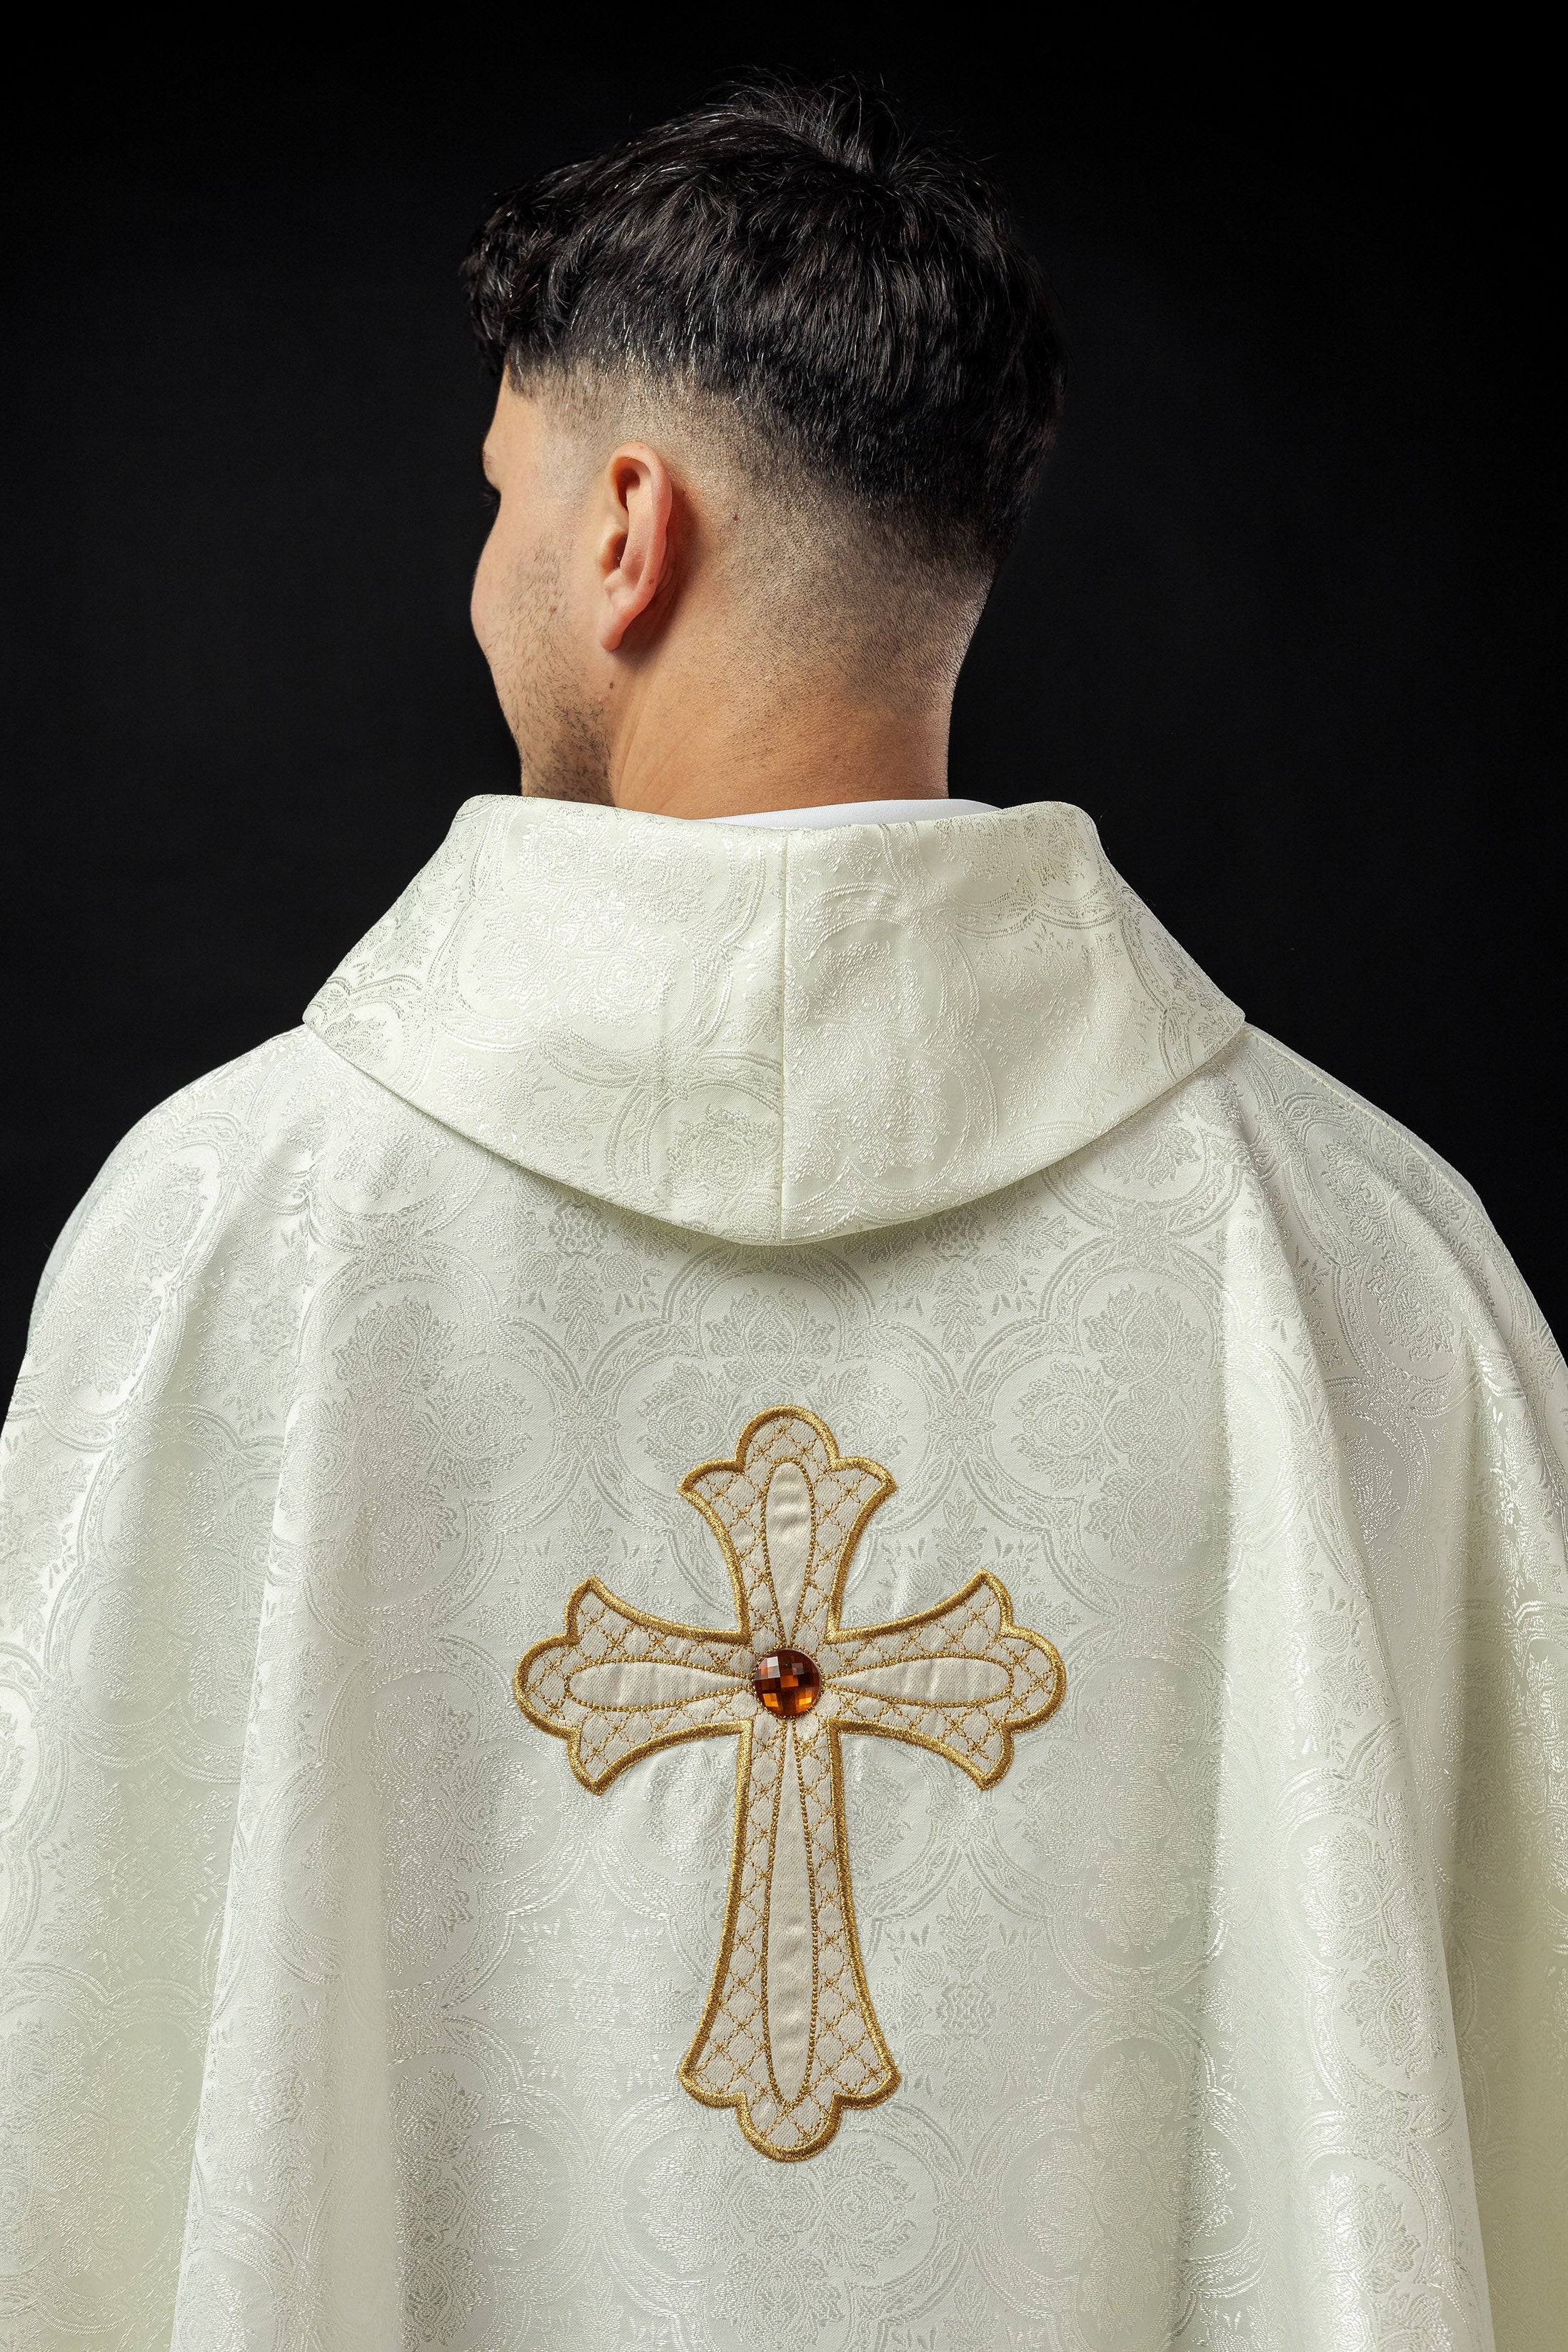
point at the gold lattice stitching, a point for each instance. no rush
(695, 1683)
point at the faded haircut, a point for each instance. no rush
(852, 295)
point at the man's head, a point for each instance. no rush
(777, 383)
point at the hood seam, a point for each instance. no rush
(530, 1002)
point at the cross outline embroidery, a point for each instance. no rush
(833, 2052)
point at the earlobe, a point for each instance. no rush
(636, 547)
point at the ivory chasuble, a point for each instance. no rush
(775, 1602)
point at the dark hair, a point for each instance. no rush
(856, 292)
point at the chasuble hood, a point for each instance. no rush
(776, 1602)
(773, 1036)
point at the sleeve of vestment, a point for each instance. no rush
(137, 1482)
(1477, 1623)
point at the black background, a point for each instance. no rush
(1282, 622)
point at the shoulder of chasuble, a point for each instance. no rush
(788, 2038)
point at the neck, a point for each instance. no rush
(711, 758)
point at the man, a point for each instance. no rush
(776, 1602)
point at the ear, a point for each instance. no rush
(635, 550)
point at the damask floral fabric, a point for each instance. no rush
(335, 2013)
(773, 1036)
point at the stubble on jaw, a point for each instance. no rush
(563, 749)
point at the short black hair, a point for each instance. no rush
(856, 291)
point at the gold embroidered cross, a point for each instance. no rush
(789, 2037)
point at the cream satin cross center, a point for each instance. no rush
(789, 2037)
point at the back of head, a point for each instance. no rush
(844, 301)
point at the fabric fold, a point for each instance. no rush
(648, 1011)
(342, 2005)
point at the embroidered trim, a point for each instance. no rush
(789, 2037)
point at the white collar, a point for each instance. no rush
(858, 812)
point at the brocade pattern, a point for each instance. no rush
(334, 2018)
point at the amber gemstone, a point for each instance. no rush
(787, 1682)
